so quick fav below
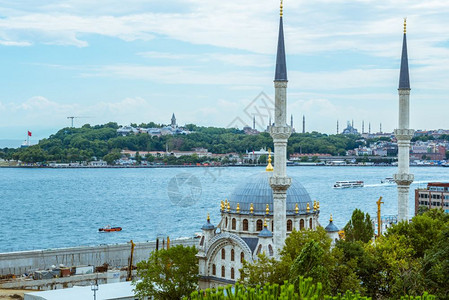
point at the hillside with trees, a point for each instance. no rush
(102, 142)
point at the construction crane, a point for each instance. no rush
(130, 267)
(73, 117)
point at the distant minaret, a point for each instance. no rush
(352, 124)
(280, 133)
(303, 124)
(337, 126)
(363, 127)
(380, 128)
(369, 127)
(254, 122)
(291, 122)
(173, 120)
(403, 135)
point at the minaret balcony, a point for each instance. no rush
(404, 134)
(280, 183)
(280, 132)
(403, 178)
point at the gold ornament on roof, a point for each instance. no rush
(269, 166)
(314, 205)
(208, 217)
(296, 208)
(281, 8)
(222, 205)
(229, 207)
(267, 210)
(331, 219)
(308, 207)
(238, 208)
(251, 208)
(265, 223)
(318, 205)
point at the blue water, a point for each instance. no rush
(53, 208)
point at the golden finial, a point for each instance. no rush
(251, 208)
(238, 208)
(265, 223)
(405, 25)
(269, 166)
(318, 205)
(331, 219)
(229, 207)
(296, 208)
(281, 8)
(308, 207)
(314, 205)
(267, 210)
(221, 205)
(208, 217)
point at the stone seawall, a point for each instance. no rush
(116, 256)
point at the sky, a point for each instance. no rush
(212, 62)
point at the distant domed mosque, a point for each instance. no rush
(261, 211)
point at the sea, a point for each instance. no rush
(56, 208)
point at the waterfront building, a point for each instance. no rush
(263, 209)
(435, 195)
(403, 135)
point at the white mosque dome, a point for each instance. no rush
(256, 190)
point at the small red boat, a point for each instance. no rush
(110, 229)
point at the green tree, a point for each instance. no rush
(359, 228)
(168, 274)
(263, 270)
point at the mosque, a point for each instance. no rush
(262, 210)
(265, 208)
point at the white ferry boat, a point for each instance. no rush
(348, 184)
(388, 180)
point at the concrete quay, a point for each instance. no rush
(116, 256)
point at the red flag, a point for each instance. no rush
(29, 133)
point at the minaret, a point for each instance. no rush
(337, 126)
(380, 127)
(280, 133)
(173, 121)
(363, 127)
(403, 135)
(303, 124)
(254, 122)
(291, 122)
(369, 127)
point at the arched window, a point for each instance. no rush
(289, 225)
(259, 249)
(232, 254)
(270, 249)
(214, 270)
(232, 273)
(310, 223)
(245, 225)
(226, 222)
(272, 226)
(259, 225)
(202, 241)
(234, 222)
(301, 224)
(242, 257)
(223, 271)
(223, 253)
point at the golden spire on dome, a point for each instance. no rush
(269, 166)
(265, 222)
(251, 208)
(221, 205)
(282, 8)
(308, 207)
(208, 217)
(229, 207)
(238, 208)
(405, 25)
(267, 210)
(331, 219)
(296, 208)
(314, 205)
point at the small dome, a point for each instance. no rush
(257, 190)
(265, 233)
(208, 226)
(331, 227)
